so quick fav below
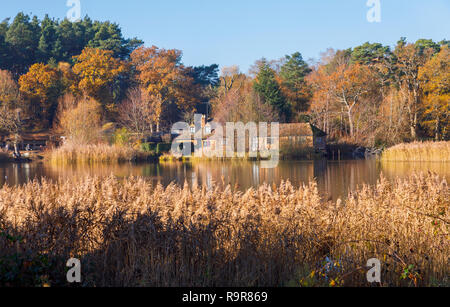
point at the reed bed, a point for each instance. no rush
(419, 152)
(131, 233)
(101, 153)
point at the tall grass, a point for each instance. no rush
(130, 233)
(101, 153)
(419, 152)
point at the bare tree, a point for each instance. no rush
(137, 112)
(11, 121)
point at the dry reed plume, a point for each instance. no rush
(130, 233)
(419, 152)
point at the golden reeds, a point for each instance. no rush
(101, 153)
(130, 233)
(419, 152)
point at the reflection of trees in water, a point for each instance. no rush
(403, 169)
(335, 179)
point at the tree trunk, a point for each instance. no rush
(16, 148)
(438, 126)
(414, 127)
(350, 122)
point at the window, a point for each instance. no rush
(208, 129)
(255, 144)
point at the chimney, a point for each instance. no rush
(203, 121)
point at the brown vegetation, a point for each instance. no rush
(419, 152)
(100, 153)
(130, 233)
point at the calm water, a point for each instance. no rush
(335, 179)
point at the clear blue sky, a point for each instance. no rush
(242, 31)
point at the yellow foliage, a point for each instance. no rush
(96, 70)
(435, 75)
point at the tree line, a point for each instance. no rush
(52, 72)
(371, 94)
(48, 67)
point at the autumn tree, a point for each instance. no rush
(41, 88)
(11, 119)
(322, 106)
(435, 75)
(165, 79)
(96, 71)
(136, 112)
(80, 120)
(347, 86)
(238, 101)
(228, 78)
(9, 90)
(408, 60)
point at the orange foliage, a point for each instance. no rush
(435, 75)
(41, 86)
(164, 78)
(96, 70)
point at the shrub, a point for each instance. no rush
(163, 148)
(81, 122)
(148, 147)
(121, 137)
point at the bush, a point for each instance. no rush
(163, 148)
(148, 147)
(121, 137)
(81, 121)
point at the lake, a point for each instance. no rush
(335, 178)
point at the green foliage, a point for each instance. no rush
(148, 147)
(163, 148)
(369, 54)
(121, 137)
(22, 269)
(423, 44)
(159, 148)
(268, 88)
(28, 40)
(292, 75)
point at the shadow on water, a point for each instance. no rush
(334, 178)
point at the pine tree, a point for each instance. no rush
(293, 85)
(268, 88)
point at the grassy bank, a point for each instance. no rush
(419, 152)
(129, 233)
(102, 153)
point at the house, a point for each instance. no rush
(302, 135)
(292, 137)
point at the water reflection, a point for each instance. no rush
(335, 178)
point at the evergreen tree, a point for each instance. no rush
(268, 88)
(47, 40)
(23, 39)
(293, 85)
